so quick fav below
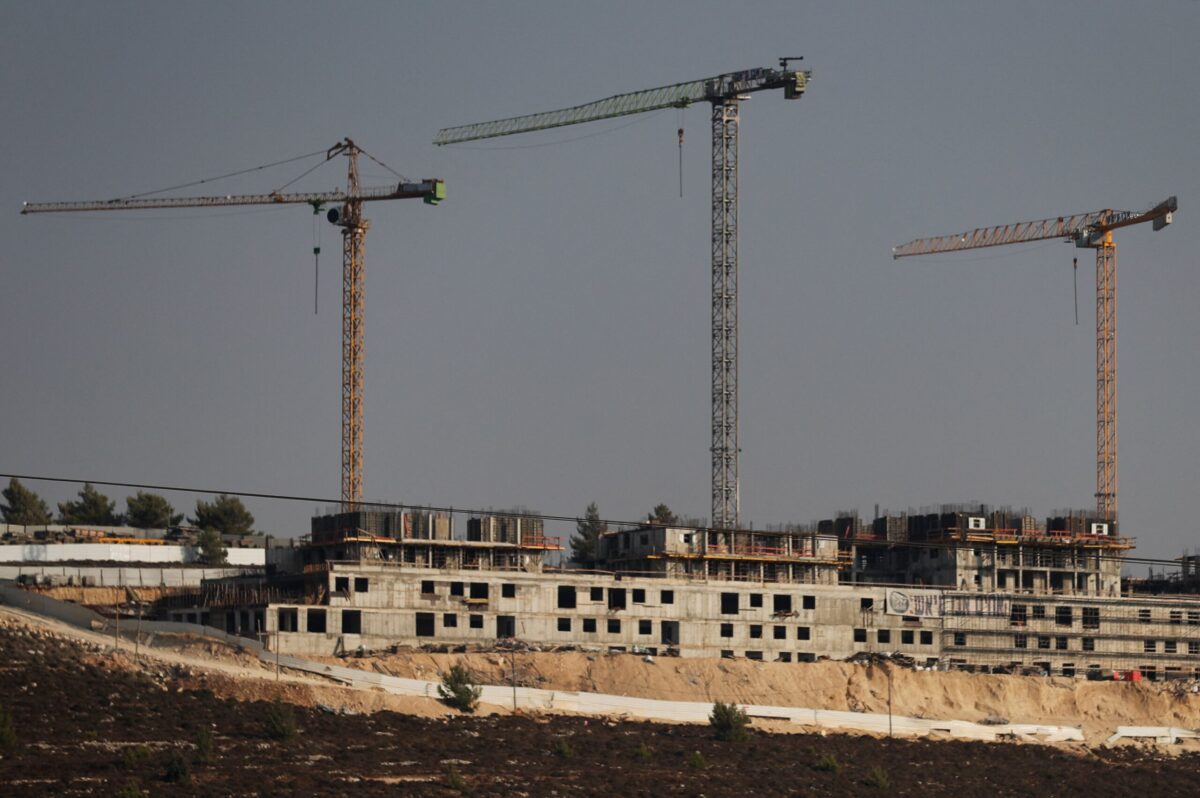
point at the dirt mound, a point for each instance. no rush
(1096, 706)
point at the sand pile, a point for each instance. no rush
(1096, 706)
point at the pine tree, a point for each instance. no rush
(150, 511)
(585, 543)
(93, 507)
(662, 515)
(212, 548)
(23, 506)
(226, 514)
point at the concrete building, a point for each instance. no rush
(966, 593)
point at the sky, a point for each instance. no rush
(541, 338)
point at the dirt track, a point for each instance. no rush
(90, 723)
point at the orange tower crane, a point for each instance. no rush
(347, 214)
(1087, 230)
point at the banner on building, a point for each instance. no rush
(915, 603)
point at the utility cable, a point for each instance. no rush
(378, 505)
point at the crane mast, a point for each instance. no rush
(725, 93)
(349, 216)
(1092, 231)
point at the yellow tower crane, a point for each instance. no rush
(1087, 230)
(347, 214)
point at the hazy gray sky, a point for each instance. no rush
(542, 337)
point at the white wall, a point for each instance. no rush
(118, 552)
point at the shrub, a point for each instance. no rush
(8, 734)
(131, 790)
(280, 721)
(829, 764)
(563, 749)
(206, 747)
(643, 753)
(697, 761)
(177, 770)
(458, 690)
(729, 721)
(878, 777)
(132, 754)
(454, 779)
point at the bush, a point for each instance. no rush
(280, 721)
(458, 690)
(455, 780)
(132, 754)
(697, 761)
(878, 777)
(177, 770)
(729, 721)
(643, 753)
(206, 748)
(563, 749)
(8, 734)
(131, 790)
(829, 764)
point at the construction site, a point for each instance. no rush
(935, 650)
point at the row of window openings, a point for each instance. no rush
(1087, 643)
(568, 596)
(315, 620)
(907, 636)
(1090, 616)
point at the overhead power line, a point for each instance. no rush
(374, 505)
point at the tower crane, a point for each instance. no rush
(725, 93)
(1091, 231)
(347, 214)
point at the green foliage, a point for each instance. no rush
(828, 763)
(585, 543)
(697, 761)
(8, 733)
(878, 777)
(177, 770)
(150, 511)
(454, 779)
(459, 690)
(23, 506)
(132, 754)
(643, 753)
(131, 790)
(226, 514)
(206, 747)
(93, 507)
(279, 721)
(212, 548)
(729, 721)
(563, 749)
(662, 515)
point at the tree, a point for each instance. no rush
(150, 511)
(23, 506)
(662, 515)
(212, 548)
(93, 507)
(226, 514)
(585, 543)
(729, 721)
(458, 689)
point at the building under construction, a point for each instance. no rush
(963, 587)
